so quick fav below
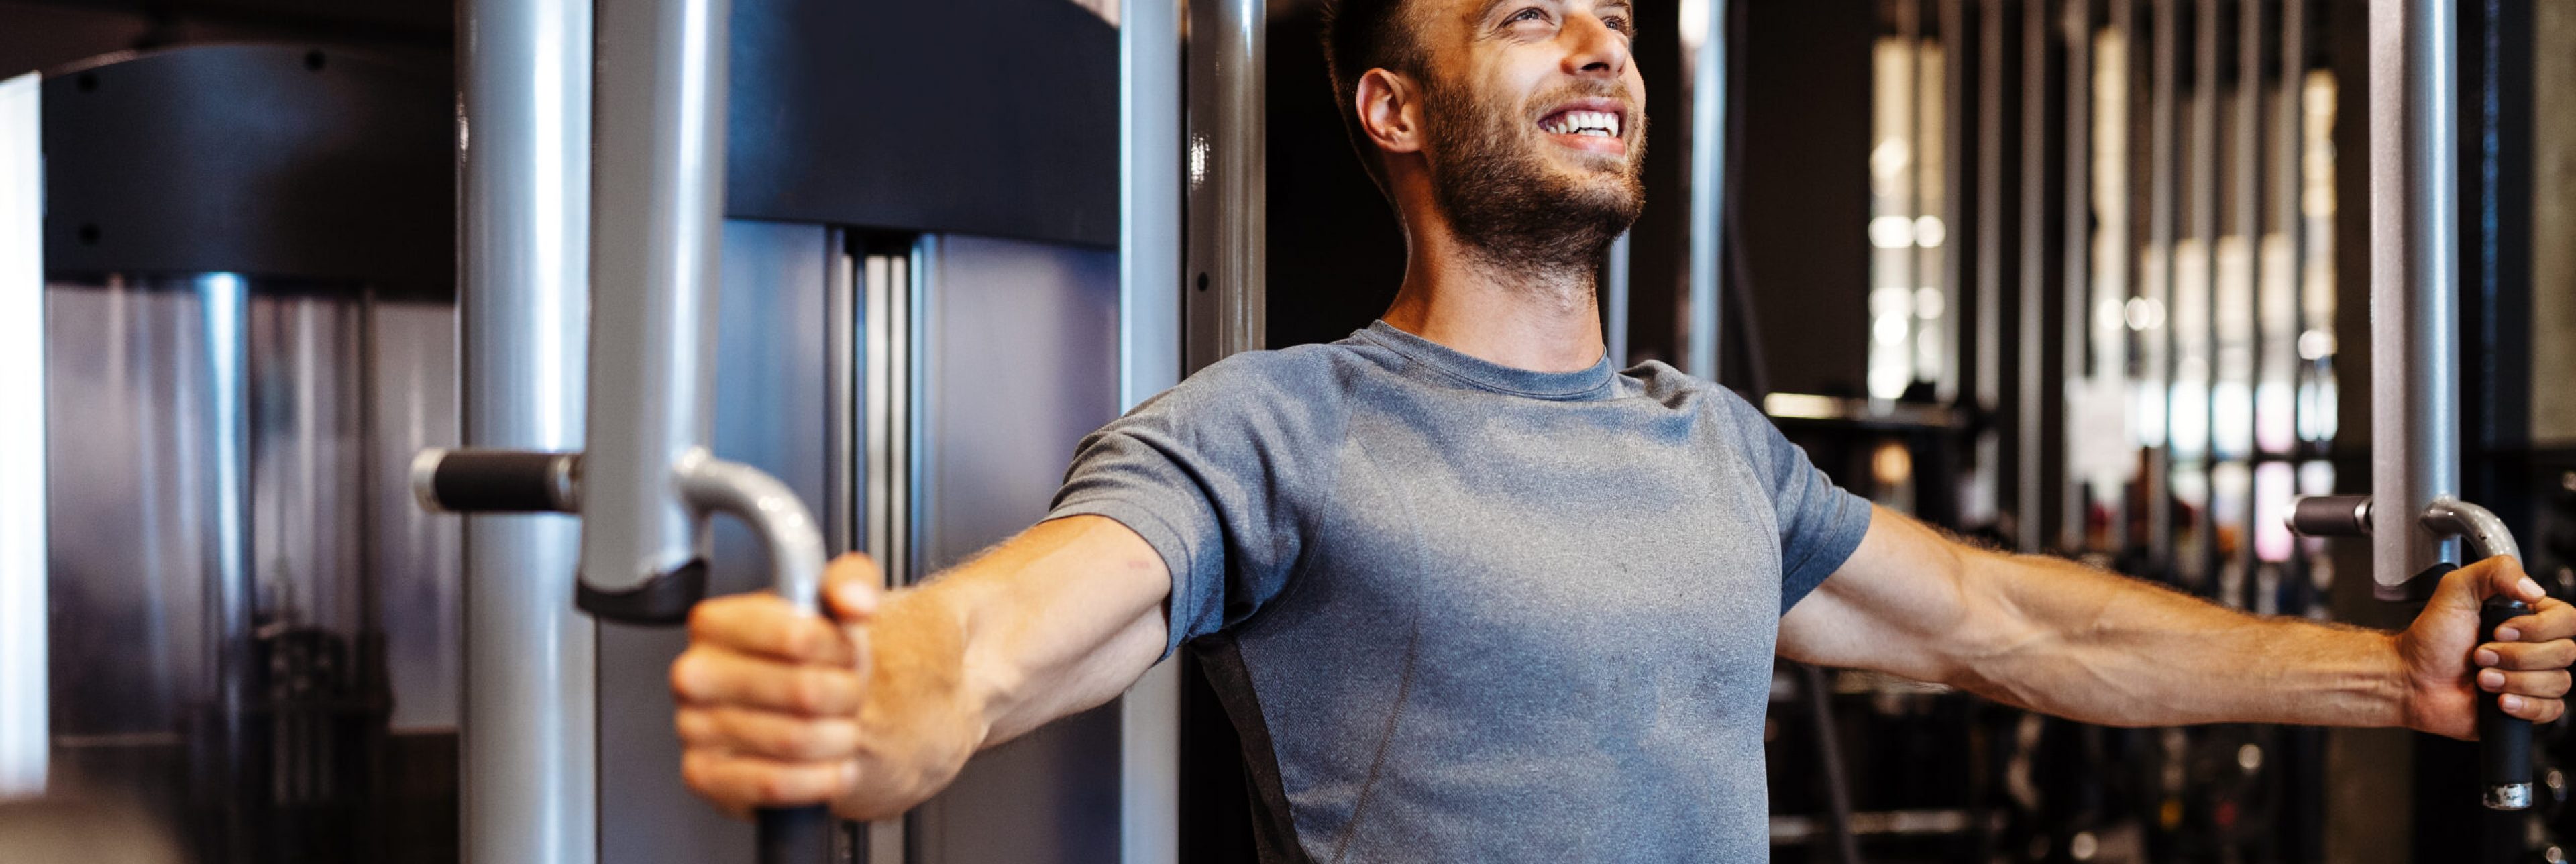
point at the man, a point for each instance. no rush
(1472, 595)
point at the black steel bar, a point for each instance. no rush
(2162, 188)
(2032, 417)
(2077, 281)
(2199, 563)
(1952, 19)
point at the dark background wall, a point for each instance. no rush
(37, 35)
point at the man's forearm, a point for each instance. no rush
(2102, 648)
(1059, 619)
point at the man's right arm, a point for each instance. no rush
(879, 710)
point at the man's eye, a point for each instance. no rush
(1616, 22)
(1529, 14)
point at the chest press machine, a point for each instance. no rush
(646, 485)
(2413, 515)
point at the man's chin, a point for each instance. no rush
(1612, 194)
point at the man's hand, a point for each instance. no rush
(2450, 666)
(777, 708)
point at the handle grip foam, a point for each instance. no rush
(2504, 741)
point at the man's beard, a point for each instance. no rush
(1507, 205)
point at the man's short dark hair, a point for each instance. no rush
(1360, 35)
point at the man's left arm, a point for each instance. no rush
(2058, 637)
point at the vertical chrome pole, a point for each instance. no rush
(658, 125)
(1614, 300)
(2414, 279)
(1150, 293)
(223, 304)
(1708, 194)
(25, 694)
(1227, 187)
(530, 730)
(887, 390)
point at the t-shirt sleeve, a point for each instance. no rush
(1211, 473)
(1820, 523)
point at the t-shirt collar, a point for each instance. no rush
(1484, 374)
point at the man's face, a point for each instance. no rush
(1536, 124)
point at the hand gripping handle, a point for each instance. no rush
(2504, 741)
(786, 835)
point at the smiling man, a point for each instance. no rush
(1471, 593)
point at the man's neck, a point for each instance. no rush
(1539, 321)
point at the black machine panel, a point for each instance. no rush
(991, 117)
(272, 160)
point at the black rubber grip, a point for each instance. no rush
(2504, 741)
(2331, 516)
(794, 835)
(497, 481)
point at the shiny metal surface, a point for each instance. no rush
(2508, 796)
(1614, 303)
(1019, 358)
(1705, 326)
(889, 386)
(529, 761)
(657, 198)
(25, 731)
(2414, 275)
(1150, 294)
(787, 530)
(230, 595)
(844, 453)
(769, 406)
(2485, 534)
(1226, 161)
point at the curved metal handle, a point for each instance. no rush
(2477, 526)
(786, 835)
(2504, 741)
(786, 529)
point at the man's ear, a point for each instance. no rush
(1390, 111)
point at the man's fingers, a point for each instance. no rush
(738, 783)
(853, 586)
(2550, 619)
(711, 677)
(2533, 709)
(2551, 683)
(2528, 656)
(766, 625)
(768, 734)
(2503, 577)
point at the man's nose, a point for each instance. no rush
(1594, 50)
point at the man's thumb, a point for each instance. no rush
(853, 586)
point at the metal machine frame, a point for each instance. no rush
(531, 196)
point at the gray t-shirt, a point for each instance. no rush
(1464, 612)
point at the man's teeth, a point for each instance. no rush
(1602, 123)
